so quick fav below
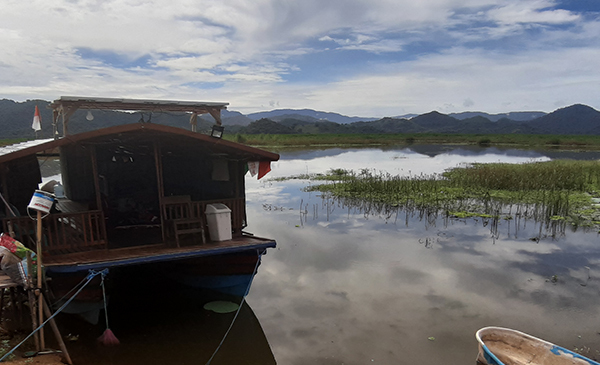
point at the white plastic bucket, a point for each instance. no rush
(218, 218)
(42, 201)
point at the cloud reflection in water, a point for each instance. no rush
(347, 288)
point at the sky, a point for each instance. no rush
(368, 58)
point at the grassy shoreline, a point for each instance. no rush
(573, 142)
(583, 142)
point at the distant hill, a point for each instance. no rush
(229, 117)
(516, 116)
(574, 119)
(16, 119)
(267, 126)
(304, 118)
(294, 113)
(405, 116)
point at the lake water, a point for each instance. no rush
(345, 286)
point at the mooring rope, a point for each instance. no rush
(238, 310)
(56, 302)
(89, 278)
(104, 300)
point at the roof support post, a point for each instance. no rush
(216, 113)
(55, 115)
(96, 177)
(66, 115)
(161, 186)
(194, 121)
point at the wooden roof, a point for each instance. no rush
(79, 102)
(215, 145)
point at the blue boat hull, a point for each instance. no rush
(236, 285)
(229, 274)
(503, 346)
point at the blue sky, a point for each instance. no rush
(370, 58)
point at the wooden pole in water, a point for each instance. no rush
(39, 278)
(59, 339)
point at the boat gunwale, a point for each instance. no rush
(170, 254)
(555, 349)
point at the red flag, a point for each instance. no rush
(263, 168)
(37, 120)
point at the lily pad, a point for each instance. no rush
(221, 306)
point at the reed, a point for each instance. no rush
(548, 191)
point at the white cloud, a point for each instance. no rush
(93, 47)
(527, 11)
(525, 82)
(365, 42)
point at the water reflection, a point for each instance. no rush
(159, 322)
(346, 286)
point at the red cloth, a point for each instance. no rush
(263, 168)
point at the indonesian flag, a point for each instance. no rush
(37, 120)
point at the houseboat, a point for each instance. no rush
(137, 194)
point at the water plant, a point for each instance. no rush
(5, 346)
(557, 192)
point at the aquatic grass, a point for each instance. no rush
(550, 175)
(541, 190)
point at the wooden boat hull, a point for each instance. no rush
(503, 346)
(87, 304)
(229, 274)
(236, 285)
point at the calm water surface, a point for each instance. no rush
(346, 286)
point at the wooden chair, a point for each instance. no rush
(179, 218)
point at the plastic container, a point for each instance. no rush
(42, 201)
(59, 191)
(218, 218)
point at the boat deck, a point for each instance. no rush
(100, 259)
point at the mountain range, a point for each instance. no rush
(16, 118)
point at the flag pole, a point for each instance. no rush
(37, 121)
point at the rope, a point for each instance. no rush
(238, 310)
(104, 298)
(89, 278)
(69, 292)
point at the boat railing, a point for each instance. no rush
(62, 233)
